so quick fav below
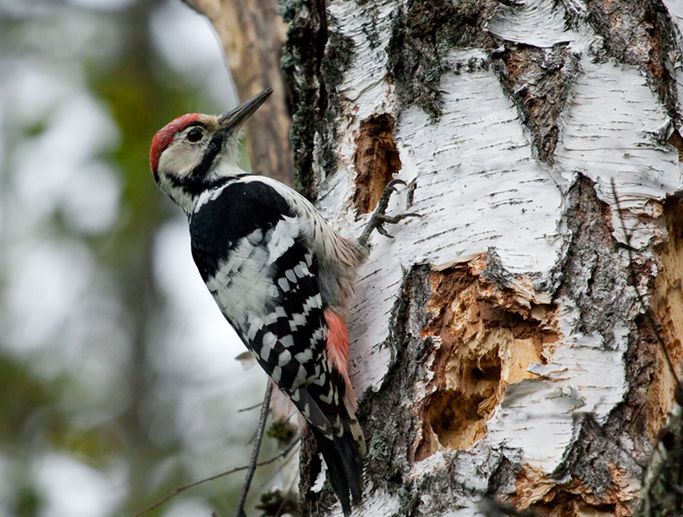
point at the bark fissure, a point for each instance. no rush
(539, 80)
(313, 62)
(594, 275)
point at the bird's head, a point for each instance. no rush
(193, 152)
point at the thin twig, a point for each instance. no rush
(278, 470)
(284, 495)
(648, 317)
(249, 408)
(179, 490)
(263, 417)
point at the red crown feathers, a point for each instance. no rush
(164, 137)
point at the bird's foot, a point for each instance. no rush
(379, 218)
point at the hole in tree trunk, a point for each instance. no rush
(376, 161)
(488, 337)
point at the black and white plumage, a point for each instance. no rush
(264, 278)
(279, 273)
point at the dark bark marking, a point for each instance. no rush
(677, 141)
(539, 81)
(596, 278)
(313, 63)
(593, 273)
(642, 34)
(421, 37)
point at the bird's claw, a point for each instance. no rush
(391, 188)
(379, 218)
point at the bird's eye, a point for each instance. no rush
(195, 135)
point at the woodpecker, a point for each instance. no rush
(280, 274)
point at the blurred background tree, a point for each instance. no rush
(117, 373)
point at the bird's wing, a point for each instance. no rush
(249, 248)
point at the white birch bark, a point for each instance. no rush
(498, 347)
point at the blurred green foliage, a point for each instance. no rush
(141, 94)
(25, 397)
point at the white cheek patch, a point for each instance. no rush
(175, 164)
(180, 158)
(177, 194)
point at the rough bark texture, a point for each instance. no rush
(499, 349)
(252, 34)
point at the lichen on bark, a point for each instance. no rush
(313, 63)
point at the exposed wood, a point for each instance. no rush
(668, 304)
(376, 161)
(252, 34)
(490, 339)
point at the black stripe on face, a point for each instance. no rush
(212, 151)
(195, 188)
(195, 183)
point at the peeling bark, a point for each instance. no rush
(498, 345)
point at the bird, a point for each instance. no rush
(279, 273)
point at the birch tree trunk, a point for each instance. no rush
(499, 349)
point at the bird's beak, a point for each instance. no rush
(233, 119)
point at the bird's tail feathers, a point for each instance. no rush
(352, 428)
(342, 456)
